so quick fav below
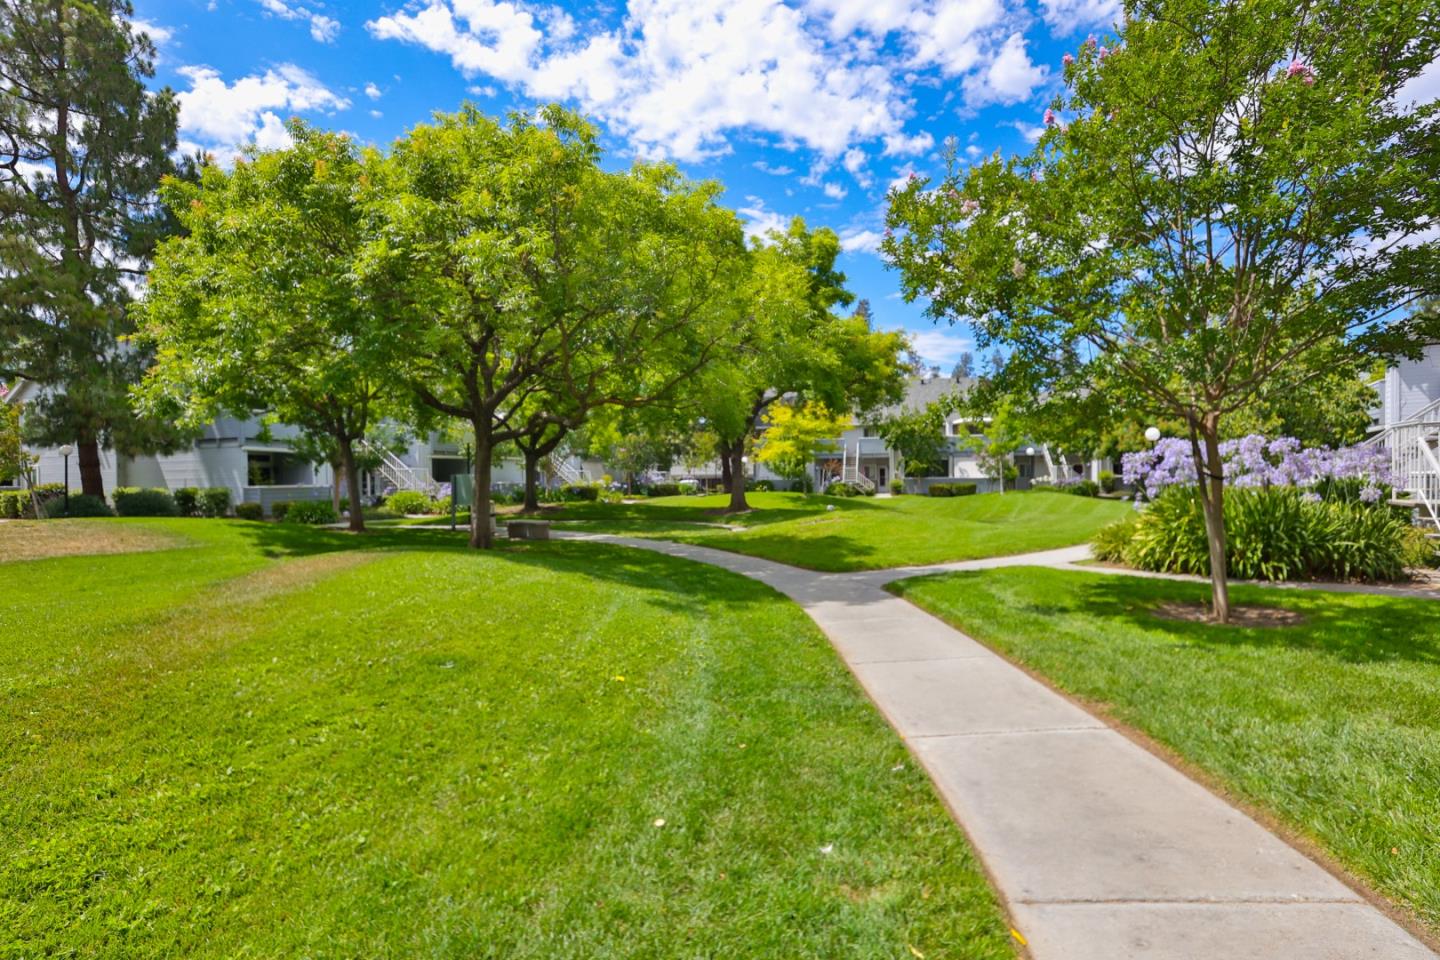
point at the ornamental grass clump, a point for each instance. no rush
(1273, 533)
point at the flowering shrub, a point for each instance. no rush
(1350, 473)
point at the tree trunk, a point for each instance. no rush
(532, 482)
(92, 482)
(352, 485)
(1210, 483)
(726, 477)
(738, 503)
(480, 537)
(337, 473)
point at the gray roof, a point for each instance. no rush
(922, 391)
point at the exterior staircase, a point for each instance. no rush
(399, 474)
(561, 468)
(1414, 448)
(850, 469)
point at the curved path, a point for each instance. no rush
(1100, 850)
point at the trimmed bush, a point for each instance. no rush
(1107, 481)
(1111, 541)
(135, 502)
(761, 486)
(12, 504)
(841, 489)
(250, 511)
(280, 508)
(1272, 533)
(80, 505)
(187, 501)
(580, 491)
(408, 502)
(440, 505)
(214, 501)
(897, 486)
(952, 489)
(313, 512)
(663, 490)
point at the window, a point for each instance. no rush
(262, 469)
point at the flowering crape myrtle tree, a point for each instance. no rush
(1223, 190)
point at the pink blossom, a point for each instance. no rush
(970, 207)
(1067, 59)
(1301, 69)
(1090, 41)
(1049, 117)
(1104, 52)
(1034, 176)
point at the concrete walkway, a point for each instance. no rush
(1100, 850)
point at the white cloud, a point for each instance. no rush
(1419, 89)
(1009, 78)
(834, 191)
(861, 241)
(901, 145)
(323, 29)
(854, 161)
(781, 171)
(1064, 17)
(220, 116)
(372, 91)
(902, 176)
(677, 78)
(376, 114)
(760, 220)
(1030, 131)
(940, 348)
(158, 35)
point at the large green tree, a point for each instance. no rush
(257, 307)
(522, 270)
(83, 146)
(793, 345)
(1223, 189)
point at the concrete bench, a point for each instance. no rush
(529, 529)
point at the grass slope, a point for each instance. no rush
(1333, 725)
(861, 533)
(272, 742)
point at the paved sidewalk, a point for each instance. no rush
(1100, 850)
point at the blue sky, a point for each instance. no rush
(811, 107)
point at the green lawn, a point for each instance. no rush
(1332, 725)
(263, 740)
(860, 533)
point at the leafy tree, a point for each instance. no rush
(523, 272)
(917, 435)
(637, 440)
(964, 367)
(1224, 192)
(257, 307)
(795, 434)
(83, 146)
(15, 460)
(322, 449)
(793, 346)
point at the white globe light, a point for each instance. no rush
(66, 450)
(1152, 434)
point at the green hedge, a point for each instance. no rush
(153, 502)
(280, 508)
(580, 491)
(663, 490)
(312, 512)
(187, 501)
(408, 502)
(952, 489)
(250, 511)
(14, 504)
(214, 501)
(1272, 533)
(78, 505)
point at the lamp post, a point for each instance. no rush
(1152, 434)
(65, 452)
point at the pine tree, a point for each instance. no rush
(83, 147)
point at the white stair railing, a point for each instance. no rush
(562, 468)
(1414, 449)
(850, 470)
(399, 474)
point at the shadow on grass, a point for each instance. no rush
(1351, 628)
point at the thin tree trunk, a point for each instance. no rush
(92, 482)
(1210, 484)
(337, 473)
(738, 504)
(480, 537)
(532, 482)
(726, 477)
(352, 485)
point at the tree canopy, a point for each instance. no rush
(83, 146)
(1223, 191)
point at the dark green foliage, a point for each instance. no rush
(663, 490)
(761, 486)
(13, 504)
(1274, 533)
(842, 489)
(313, 512)
(580, 491)
(1107, 481)
(408, 502)
(1112, 541)
(187, 501)
(214, 501)
(79, 505)
(952, 489)
(280, 509)
(250, 511)
(897, 486)
(135, 502)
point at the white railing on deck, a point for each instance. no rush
(399, 474)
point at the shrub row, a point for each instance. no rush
(952, 489)
(663, 490)
(137, 502)
(842, 489)
(581, 491)
(203, 502)
(77, 505)
(1272, 533)
(312, 512)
